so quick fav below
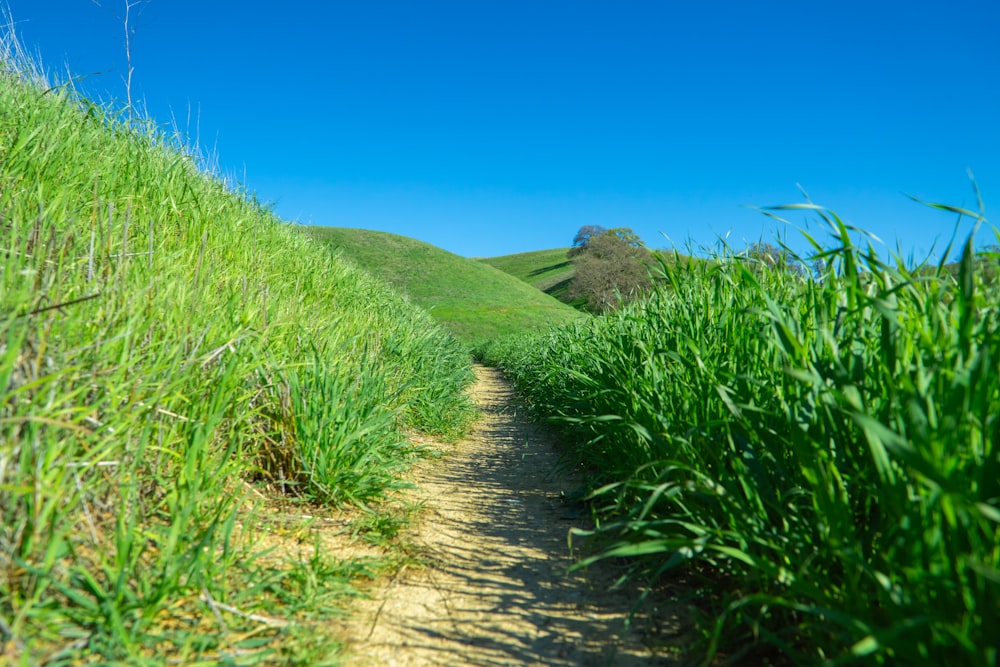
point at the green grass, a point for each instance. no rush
(169, 352)
(474, 301)
(820, 453)
(547, 270)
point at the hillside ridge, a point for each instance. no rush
(470, 298)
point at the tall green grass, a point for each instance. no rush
(166, 346)
(821, 451)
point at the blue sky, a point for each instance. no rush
(488, 128)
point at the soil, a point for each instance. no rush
(492, 586)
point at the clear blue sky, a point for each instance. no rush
(489, 128)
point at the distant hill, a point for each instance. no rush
(472, 299)
(547, 270)
(551, 271)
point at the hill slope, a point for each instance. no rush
(551, 271)
(547, 270)
(471, 299)
(172, 358)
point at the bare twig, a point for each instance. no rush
(126, 22)
(214, 354)
(95, 464)
(64, 304)
(215, 608)
(165, 412)
(270, 622)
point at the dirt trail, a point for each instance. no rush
(494, 529)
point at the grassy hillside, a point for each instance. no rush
(472, 300)
(551, 271)
(548, 270)
(173, 357)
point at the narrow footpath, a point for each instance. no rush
(493, 531)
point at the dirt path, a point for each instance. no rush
(495, 592)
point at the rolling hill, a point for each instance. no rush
(475, 301)
(547, 270)
(551, 271)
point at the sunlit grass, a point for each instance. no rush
(167, 345)
(822, 450)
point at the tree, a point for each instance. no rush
(583, 237)
(610, 267)
(766, 255)
(627, 236)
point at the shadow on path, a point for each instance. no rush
(494, 529)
